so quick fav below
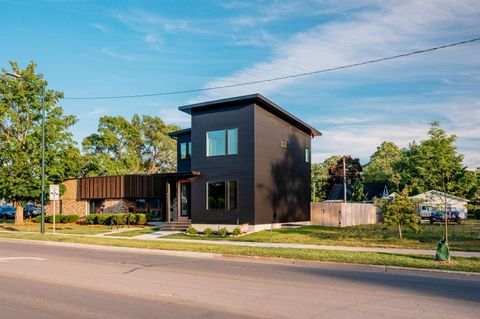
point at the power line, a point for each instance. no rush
(276, 78)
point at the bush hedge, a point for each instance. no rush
(113, 219)
(60, 219)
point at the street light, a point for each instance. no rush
(42, 225)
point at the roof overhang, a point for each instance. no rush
(256, 99)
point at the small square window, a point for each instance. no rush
(284, 143)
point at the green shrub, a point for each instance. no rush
(476, 213)
(69, 218)
(208, 231)
(140, 219)
(236, 231)
(191, 231)
(58, 219)
(222, 232)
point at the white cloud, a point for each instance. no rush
(99, 27)
(379, 29)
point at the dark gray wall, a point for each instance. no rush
(223, 168)
(282, 177)
(185, 164)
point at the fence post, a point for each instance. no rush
(340, 218)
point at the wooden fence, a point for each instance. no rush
(339, 214)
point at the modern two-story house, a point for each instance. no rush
(245, 160)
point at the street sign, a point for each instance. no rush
(54, 192)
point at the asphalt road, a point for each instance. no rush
(38, 280)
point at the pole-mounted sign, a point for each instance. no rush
(54, 196)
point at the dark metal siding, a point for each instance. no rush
(223, 168)
(185, 164)
(282, 177)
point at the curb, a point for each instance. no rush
(257, 259)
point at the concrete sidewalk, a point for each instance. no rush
(155, 236)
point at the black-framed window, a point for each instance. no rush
(232, 195)
(141, 204)
(222, 195)
(308, 155)
(215, 195)
(185, 150)
(222, 142)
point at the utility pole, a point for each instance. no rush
(344, 181)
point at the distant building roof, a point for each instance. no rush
(259, 100)
(371, 190)
(434, 193)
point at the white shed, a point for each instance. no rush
(435, 200)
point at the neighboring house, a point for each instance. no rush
(245, 160)
(371, 190)
(435, 201)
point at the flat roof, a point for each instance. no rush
(259, 100)
(175, 134)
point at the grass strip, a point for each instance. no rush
(464, 237)
(371, 258)
(135, 232)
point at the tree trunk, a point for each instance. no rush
(400, 231)
(18, 214)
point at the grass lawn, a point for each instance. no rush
(413, 261)
(136, 232)
(71, 228)
(464, 237)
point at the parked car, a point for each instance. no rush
(439, 216)
(30, 211)
(7, 212)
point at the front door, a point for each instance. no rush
(184, 207)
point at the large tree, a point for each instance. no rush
(435, 164)
(20, 137)
(380, 168)
(320, 176)
(125, 147)
(353, 171)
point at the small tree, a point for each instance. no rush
(399, 211)
(358, 192)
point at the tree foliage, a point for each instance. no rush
(127, 147)
(20, 137)
(434, 164)
(320, 176)
(399, 211)
(358, 191)
(380, 168)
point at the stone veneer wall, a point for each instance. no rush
(114, 206)
(71, 202)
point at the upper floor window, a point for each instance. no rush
(308, 155)
(222, 142)
(185, 150)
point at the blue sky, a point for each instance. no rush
(98, 48)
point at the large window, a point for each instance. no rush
(308, 155)
(216, 143)
(216, 195)
(232, 141)
(222, 142)
(232, 195)
(185, 150)
(217, 192)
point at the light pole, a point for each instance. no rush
(42, 200)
